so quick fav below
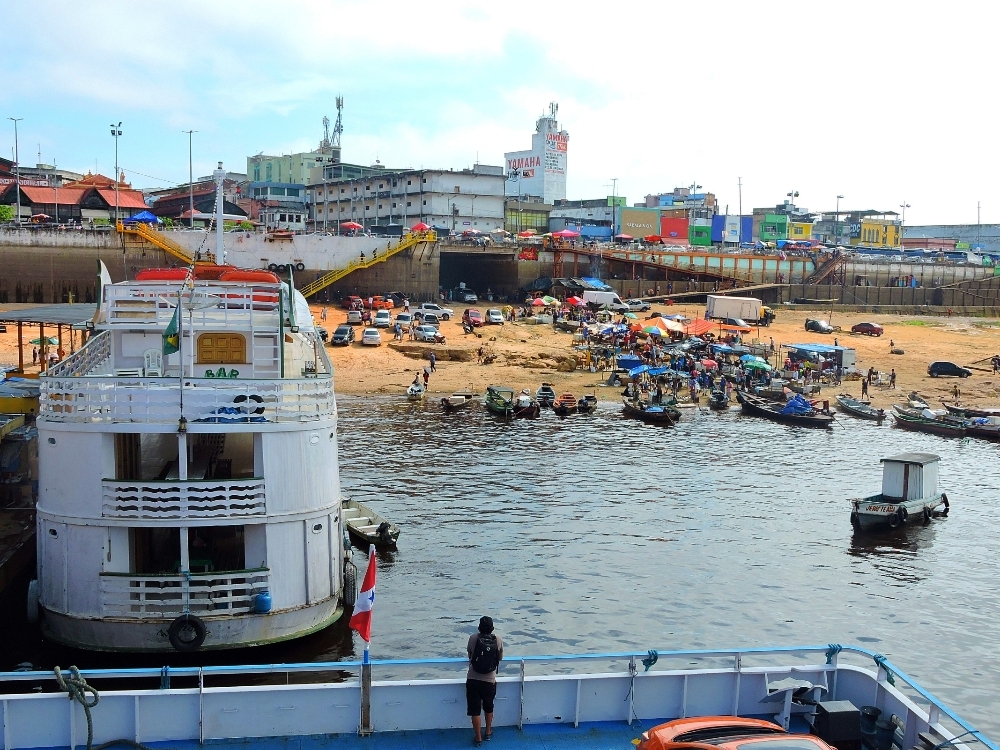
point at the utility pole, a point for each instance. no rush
(190, 178)
(17, 171)
(56, 182)
(116, 131)
(739, 183)
(979, 227)
(614, 206)
(836, 222)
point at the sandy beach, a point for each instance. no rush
(528, 354)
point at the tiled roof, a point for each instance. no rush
(64, 196)
(126, 198)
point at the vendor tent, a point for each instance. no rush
(144, 217)
(698, 327)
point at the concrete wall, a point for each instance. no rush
(971, 233)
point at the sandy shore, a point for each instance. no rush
(528, 354)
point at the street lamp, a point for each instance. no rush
(56, 182)
(190, 176)
(17, 171)
(837, 220)
(116, 131)
(902, 220)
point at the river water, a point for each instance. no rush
(596, 533)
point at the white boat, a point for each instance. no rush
(583, 701)
(415, 392)
(365, 526)
(909, 494)
(190, 499)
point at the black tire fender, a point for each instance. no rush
(927, 515)
(272, 267)
(903, 513)
(300, 266)
(350, 586)
(893, 520)
(187, 633)
(242, 398)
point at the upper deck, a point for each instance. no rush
(248, 353)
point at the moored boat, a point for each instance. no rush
(587, 404)
(718, 400)
(564, 404)
(500, 400)
(916, 420)
(984, 428)
(970, 411)
(525, 407)
(796, 411)
(545, 395)
(916, 401)
(415, 392)
(909, 493)
(650, 413)
(857, 408)
(457, 400)
(365, 526)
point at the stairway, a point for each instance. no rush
(332, 277)
(140, 235)
(825, 270)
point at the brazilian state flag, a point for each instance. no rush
(171, 336)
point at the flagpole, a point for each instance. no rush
(366, 728)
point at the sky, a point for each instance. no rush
(882, 102)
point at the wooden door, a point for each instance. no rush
(222, 348)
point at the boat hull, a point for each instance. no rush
(224, 632)
(666, 416)
(877, 513)
(859, 409)
(929, 426)
(754, 409)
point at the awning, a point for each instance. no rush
(67, 315)
(698, 327)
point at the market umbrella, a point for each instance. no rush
(550, 300)
(538, 302)
(49, 340)
(757, 365)
(652, 239)
(418, 227)
(351, 225)
(623, 237)
(652, 331)
(574, 300)
(752, 358)
(40, 216)
(499, 231)
(565, 233)
(710, 364)
(470, 232)
(527, 233)
(631, 315)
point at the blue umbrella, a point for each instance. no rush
(751, 358)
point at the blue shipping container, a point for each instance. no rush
(718, 227)
(746, 229)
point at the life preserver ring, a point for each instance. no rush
(300, 266)
(903, 513)
(253, 397)
(187, 633)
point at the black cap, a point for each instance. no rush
(485, 625)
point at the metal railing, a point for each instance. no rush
(110, 399)
(231, 498)
(226, 593)
(88, 359)
(227, 304)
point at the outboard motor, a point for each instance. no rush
(384, 535)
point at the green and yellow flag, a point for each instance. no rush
(171, 336)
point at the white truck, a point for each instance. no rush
(604, 298)
(747, 308)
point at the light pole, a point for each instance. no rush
(17, 171)
(902, 220)
(836, 221)
(739, 184)
(614, 206)
(116, 131)
(190, 176)
(56, 182)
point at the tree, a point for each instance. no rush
(6, 214)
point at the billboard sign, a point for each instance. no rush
(639, 222)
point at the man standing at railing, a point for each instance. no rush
(485, 650)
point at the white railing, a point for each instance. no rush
(95, 353)
(229, 593)
(231, 498)
(111, 399)
(212, 305)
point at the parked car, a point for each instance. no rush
(473, 317)
(352, 302)
(404, 319)
(494, 317)
(323, 333)
(872, 329)
(466, 295)
(947, 369)
(444, 313)
(818, 326)
(638, 305)
(619, 307)
(737, 322)
(726, 733)
(371, 337)
(428, 333)
(343, 336)
(382, 303)
(383, 319)
(354, 317)
(431, 319)
(398, 298)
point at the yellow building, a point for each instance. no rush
(877, 233)
(799, 230)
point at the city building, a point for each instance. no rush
(683, 203)
(49, 174)
(541, 170)
(527, 213)
(593, 217)
(456, 200)
(175, 202)
(279, 205)
(93, 198)
(785, 221)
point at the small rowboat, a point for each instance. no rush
(564, 404)
(650, 413)
(365, 526)
(525, 407)
(718, 401)
(500, 400)
(859, 409)
(457, 400)
(776, 412)
(916, 402)
(545, 395)
(970, 411)
(915, 421)
(587, 404)
(415, 392)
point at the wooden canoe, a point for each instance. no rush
(457, 400)
(564, 404)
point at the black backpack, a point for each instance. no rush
(485, 654)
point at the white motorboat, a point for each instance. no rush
(189, 494)
(909, 494)
(415, 392)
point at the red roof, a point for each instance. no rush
(65, 196)
(126, 198)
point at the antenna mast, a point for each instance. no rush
(338, 127)
(325, 143)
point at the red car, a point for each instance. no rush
(726, 733)
(352, 303)
(872, 329)
(473, 317)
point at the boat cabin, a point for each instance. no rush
(910, 476)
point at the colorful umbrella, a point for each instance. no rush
(419, 227)
(550, 300)
(631, 315)
(623, 237)
(49, 340)
(565, 233)
(652, 331)
(527, 233)
(710, 364)
(538, 302)
(757, 365)
(351, 225)
(575, 300)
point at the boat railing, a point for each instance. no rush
(89, 358)
(215, 305)
(115, 399)
(212, 499)
(212, 593)
(324, 697)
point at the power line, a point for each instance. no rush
(158, 179)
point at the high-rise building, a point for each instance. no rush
(540, 171)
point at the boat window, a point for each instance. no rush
(216, 548)
(154, 551)
(222, 456)
(145, 456)
(222, 348)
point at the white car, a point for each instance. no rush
(371, 337)
(494, 317)
(404, 320)
(444, 313)
(354, 317)
(427, 333)
(383, 319)
(637, 305)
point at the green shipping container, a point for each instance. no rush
(700, 235)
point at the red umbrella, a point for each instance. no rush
(419, 227)
(527, 233)
(623, 237)
(653, 239)
(565, 233)
(469, 232)
(710, 364)
(538, 302)
(351, 225)
(574, 301)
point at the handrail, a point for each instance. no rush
(159, 240)
(332, 277)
